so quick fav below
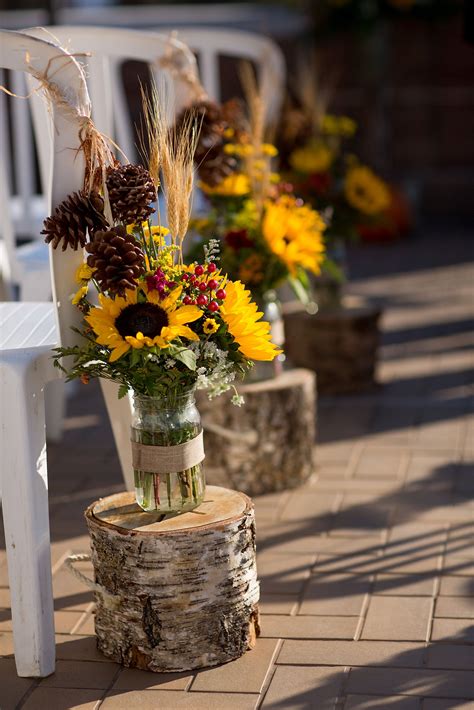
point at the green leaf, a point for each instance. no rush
(300, 291)
(187, 357)
(135, 357)
(123, 391)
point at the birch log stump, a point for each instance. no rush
(267, 444)
(340, 344)
(185, 589)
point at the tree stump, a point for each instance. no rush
(267, 444)
(340, 344)
(186, 585)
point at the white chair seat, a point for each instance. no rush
(27, 326)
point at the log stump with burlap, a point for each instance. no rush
(339, 344)
(267, 444)
(178, 593)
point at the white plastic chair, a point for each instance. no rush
(24, 206)
(108, 49)
(28, 331)
(212, 43)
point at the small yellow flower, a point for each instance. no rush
(338, 125)
(79, 295)
(229, 133)
(365, 191)
(243, 149)
(230, 149)
(210, 326)
(269, 149)
(83, 273)
(259, 164)
(232, 186)
(314, 158)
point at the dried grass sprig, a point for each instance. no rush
(257, 164)
(314, 90)
(176, 62)
(171, 153)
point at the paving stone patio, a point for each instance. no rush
(367, 572)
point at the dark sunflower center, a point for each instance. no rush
(146, 318)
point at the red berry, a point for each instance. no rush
(199, 270)
(202, 300)
(193, 302)
(213, 306)
(184, 277)
(212, 284)
(221, 294)
(187, 300)
(192, 279)
(202, 286)
(211, 268)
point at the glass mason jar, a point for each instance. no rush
(270, 305)
(328, 287)
(167, 422)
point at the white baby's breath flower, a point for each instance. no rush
(238, 400)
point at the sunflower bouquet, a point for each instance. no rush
(268, 236)
(157, 326)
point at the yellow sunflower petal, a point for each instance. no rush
(119, 351)
(242, 317)
(184, 314)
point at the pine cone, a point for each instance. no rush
(71, 220)
(131, 190)
(212, 162)
(117, 259)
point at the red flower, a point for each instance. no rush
(319, 183)
(238, 239)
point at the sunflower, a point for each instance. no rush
(210, 326)
(124, 323)
(241, 316)
(294, 232)
(314, 158)
(235, 185)
(365, 191)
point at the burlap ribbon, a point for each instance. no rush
(168, 459)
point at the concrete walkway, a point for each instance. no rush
(367, 572)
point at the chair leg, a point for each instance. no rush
(55, 406)
(26, 518)
(120, 416)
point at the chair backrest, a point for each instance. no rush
(212, 43)
(35, 57)
(107, 49)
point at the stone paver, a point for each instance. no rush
(397, 618)
(367, 571)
